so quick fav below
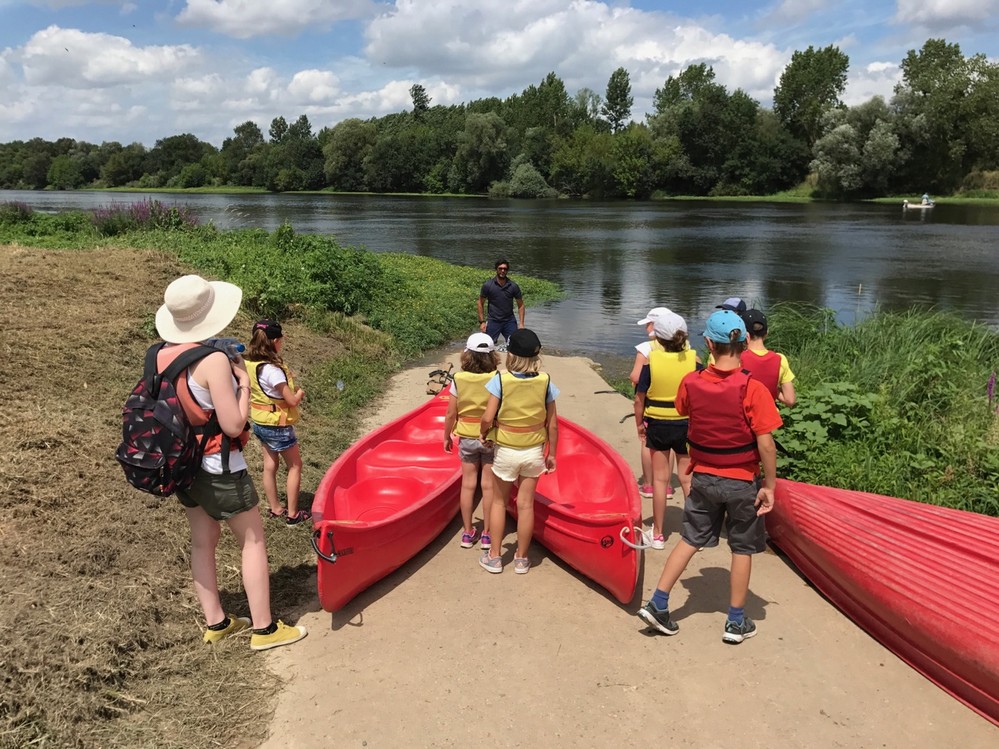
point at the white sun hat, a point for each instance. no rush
(195, 309)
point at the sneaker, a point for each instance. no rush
(468, 539)
(658, 619)
(236, 624)
(486, 541)
(283, 515)
(299, 517)
(491, 564)
(283, 635)
(656, 542)
(736, 632)
(669, 492)
(521, 565)
(645, 490)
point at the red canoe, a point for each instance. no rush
(920, 579)
(586, 507)
(384, 499)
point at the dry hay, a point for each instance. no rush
(102, 644)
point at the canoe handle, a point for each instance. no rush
(315, 546)
(626, 531)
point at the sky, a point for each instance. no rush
(138, 71)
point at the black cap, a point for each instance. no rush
(756, 322)
(524, 343)
(271, 328)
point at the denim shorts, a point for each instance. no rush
(276, 439)
(472, 450)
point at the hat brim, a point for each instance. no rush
(645, 321)
(228, 297)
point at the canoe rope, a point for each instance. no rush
(638, 534)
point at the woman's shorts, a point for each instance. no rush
(276, 439)
(471, 450)
(220, 495)
(714, 499)
(510, 464)
(665, 435)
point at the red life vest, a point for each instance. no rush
(718, 433)
(197, 415)
(764, 368)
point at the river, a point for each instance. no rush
(616, 260)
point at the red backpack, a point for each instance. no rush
(160, 449)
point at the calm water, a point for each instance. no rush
(616, 260)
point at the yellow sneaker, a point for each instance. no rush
(283, 635)
(236, 624)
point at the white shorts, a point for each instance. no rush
(510, 464)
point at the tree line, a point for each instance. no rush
(939, 132)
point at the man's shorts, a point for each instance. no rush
(713, 499)
(665, 435)
(276, 439)
(510, 464)
(471, 450)
(220, 495)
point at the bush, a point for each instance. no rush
(15, 212)
(118, 218)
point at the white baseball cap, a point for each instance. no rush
(654, 314)
(480, 342)
(666, 326)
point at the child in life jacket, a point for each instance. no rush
(731, 420)
(641, 359)
(660, 427)
(223, 492)
(520, 419)
(467, 403)
(274, 401)
(769, 367)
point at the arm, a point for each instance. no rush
(640, 415)
(231, 409)
(636, 369)
(551, 419)
(482, 316)
(768, 455)
(520, 310)
(292, 399)
(488, 417)
(450, 418)
(787, 396)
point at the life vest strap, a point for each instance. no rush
(269, 407)
(470, 419)
(721, 450)
(649, 403)
(521, 430)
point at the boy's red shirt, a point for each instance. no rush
(760, 410)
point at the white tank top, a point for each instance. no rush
(213, 463)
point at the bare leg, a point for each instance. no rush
(270, 480)
(469, 478)
(676, 563)
(742, 566)
(205, 534)
(497, 515)
(488, 490)
(293, 460)
(248, 529)
(660, 477)
(682, 463)
(646, 455)
(525, 514)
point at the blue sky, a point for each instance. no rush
(100, 70)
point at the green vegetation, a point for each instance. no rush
(895, 405)
(938, 133)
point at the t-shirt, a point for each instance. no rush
(213, 463)
(271, 377)
(500, 298)
(760, 411)
(493, 386)
(786, 375)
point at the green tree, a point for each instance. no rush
(64, 173)
(124, 166)
(170, 155)
(421, 101)
(482, 156)
(618, 101)
(812, 83)
(348, 146)
(278, 129)
(241, 154)
(583, 163)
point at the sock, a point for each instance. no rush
(660, 599)
(736, 615)
(221, 625)
(268, 630)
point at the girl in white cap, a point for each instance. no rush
(194, 310)
(642, 359)
(468, 399)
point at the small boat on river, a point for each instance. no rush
(917, 205)
(586, 509)
(920, 579)
(383, 500)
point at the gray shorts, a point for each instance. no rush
(471, 450)
(220, 495)
(714, 498)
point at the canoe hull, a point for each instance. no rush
(581, 509)
(382, 501)
(920, 579)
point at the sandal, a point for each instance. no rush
(283, 515)
(298, 517)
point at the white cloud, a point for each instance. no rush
(314, 87)
(247, 18)
(874, 79)
(946, 14)
(798, 10)
(77, 59)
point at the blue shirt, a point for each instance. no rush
(500, 298)
(493, 386)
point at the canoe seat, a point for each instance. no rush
(584, 478)
(377, 498)
(399, 458)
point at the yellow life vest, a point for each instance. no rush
(522, 418)
(264, 410)
(666, 369)
(472, 400)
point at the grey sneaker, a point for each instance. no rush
(521, 565)
(736, 632)
(658, 619)
(491, 564)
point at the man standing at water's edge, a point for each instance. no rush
(500, 292)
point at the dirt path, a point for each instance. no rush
(441, 654)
